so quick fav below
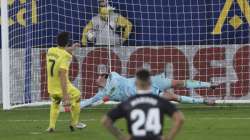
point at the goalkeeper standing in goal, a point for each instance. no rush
(59, 86)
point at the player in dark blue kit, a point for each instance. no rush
(144, 114)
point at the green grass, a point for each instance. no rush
(202, 123)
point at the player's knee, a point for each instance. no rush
(75, 102)
(77, 94)
(56, 100)
(76, 99)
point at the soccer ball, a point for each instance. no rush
(91, 36)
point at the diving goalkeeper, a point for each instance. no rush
(59, 86)
(114, 87)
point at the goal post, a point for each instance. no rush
(178, 39)
(5, 55)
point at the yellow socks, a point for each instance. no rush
(75, 111)
(54, 112)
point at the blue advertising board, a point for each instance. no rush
(155, 22)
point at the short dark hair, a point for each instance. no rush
(63, 39)
(102, 3)
(143, 75)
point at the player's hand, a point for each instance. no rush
(76, 45)
(123, 40)
(66, 101)
(213, 87)
(209, 102)
(73, 47)
(105, 99)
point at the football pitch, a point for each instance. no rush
(202, 123)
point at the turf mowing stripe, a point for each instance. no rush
(181, 106)
(89, 120)
(222, 118)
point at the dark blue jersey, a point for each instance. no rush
(144, 114)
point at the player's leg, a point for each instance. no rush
(75, 108)
(54, 111)
(186, 99)
(75, 104)
(191, 84)
(164, 83)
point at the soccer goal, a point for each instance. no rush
(180, 39)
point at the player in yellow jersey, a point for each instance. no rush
(59, 86)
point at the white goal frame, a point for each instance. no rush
(5, 55)
(6, 99)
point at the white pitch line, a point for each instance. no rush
(36, 133)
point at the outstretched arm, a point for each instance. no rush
(95, 100)
(190, 84)
(109, 90)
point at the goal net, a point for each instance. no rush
(204, 40)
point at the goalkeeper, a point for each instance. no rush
(114, 87)
(59, 86)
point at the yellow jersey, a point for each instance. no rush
(57, 58)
